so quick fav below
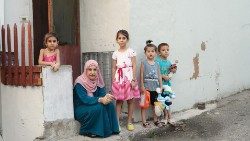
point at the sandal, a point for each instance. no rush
(130, 127)
(158, 124)
(146, 125)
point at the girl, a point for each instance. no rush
(150, 80)
(165, 64)
(50, 56)
(124, 86)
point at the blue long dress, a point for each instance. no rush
(95, 118)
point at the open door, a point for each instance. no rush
(61, 17)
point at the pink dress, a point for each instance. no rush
(121, 87)
(51, 58)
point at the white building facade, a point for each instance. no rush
(209, 38)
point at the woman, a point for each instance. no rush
(93, 108)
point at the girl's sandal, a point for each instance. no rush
(146, 125)
(158, 124)
(130, 127)
(164, 123)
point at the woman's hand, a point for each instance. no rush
(103, 100)
(110, 97)
(106, 99)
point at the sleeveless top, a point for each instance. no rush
(51, 58)
(150, 75)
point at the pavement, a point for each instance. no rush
(140, 131)
(226, 119)
(229, 121)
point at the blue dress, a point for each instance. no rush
(95, 118)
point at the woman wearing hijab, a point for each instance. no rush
(93, 108)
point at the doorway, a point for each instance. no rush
(61, 17)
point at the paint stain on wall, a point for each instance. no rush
(203, 46)
(196, 67)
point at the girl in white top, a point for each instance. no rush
(124, 86)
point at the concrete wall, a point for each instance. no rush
(39, 112)
(1, 12)
(209, 38)
(99, 22)
(58, 94)
(22, 111)
(1, 18)
(15, 11)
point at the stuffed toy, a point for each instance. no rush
(167, 91)
(159, 107)
(163, 98)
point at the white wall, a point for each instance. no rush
(99, 22)
(26, 110)
(1, 12)
(22, 111)
(222, 25)
(18, 11)
(15, 10)
(58, 94)
(1, 19)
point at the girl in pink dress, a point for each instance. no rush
(124, 86)
(50, 56)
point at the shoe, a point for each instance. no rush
(164, 122)
(146, 125)
(158, 124)
(130, 127)
(171, 121)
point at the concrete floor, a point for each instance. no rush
(142, 132)
(230, 121)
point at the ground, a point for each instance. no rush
(226, 119)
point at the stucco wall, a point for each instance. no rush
(22, 111)
(213, 33)
(27, 110)
(58, 93)
(1, 18)
(13, 14)
(99, 22)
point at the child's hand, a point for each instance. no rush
(165, 77)
(133, 84)
(142, 89)
(55, 67)
(52, 64)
